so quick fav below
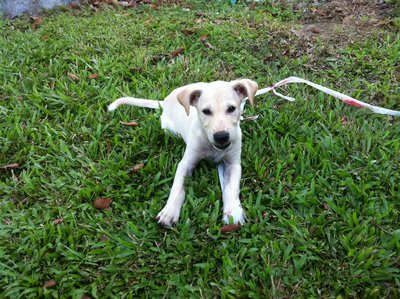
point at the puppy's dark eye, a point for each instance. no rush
(231, 109)
(207, 111)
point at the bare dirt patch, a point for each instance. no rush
(344, 21)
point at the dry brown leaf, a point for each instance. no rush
(315, 30)
(200, 14)
(312, 230)
(130, 124)
(344, 120)
(203, 38)
(73, 77)
(187, 32)
(177, 52)
(229, 228)
(58, 220)
(254, 117)
(36, 21)
(298, 33)
(124, 3)
(102, 203)
(109, 148)
(75, 5)
(93, 76)
(50, 284)
(137, 167)
(135, 69)
(10, 166)
(210, 46)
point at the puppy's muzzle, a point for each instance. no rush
(221, 139)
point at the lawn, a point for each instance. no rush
(320, 181)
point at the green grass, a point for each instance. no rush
(320, 179)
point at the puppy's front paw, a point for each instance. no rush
(168, 216)
(236, 214)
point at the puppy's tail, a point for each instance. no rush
(135, 102)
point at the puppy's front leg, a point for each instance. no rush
(230, 194)
(170, 213)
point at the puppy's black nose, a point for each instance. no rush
(221, 137)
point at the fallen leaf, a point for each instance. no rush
(229, 228)
(10, 166)
(312, 230)
(210, 46)
(93, 76)
(137, 167)
(58, 220)
(200, 14)
(109, 148)
(36, 22)
(102, 203)
(286, 52)
(203, 38)
(75, 5)
(129, 124)
(315, 30)
(254, 117)
(187, 32)
(177, 52)
(50, 284)
(326, 206)
(298, 33)
(124, 3)
(135, 69)
(344, 120)
(73, 77)
(347, 19)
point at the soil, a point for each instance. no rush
(345, 21)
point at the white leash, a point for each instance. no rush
(345, 98)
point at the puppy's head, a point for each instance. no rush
(218, 108)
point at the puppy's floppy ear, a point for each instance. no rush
(187, 97)
(245, 88)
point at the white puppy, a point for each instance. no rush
(207, 117)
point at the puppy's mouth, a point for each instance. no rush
(221, 146)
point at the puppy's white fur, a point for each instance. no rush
(207, 117)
